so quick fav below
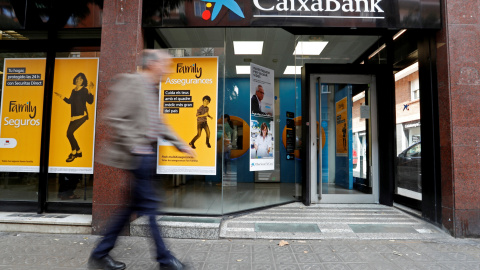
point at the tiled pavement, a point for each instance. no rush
(329, 221)
(21, 251)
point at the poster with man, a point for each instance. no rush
(261, 118)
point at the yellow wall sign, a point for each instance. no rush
(188, 104)
(73, 116)
(342, 127)
(21, 115)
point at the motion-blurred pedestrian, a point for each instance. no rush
(134, 117)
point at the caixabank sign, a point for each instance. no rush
(304, 13)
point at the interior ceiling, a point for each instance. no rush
(278, 46)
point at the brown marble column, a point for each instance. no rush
(459, 115)
(122, 42)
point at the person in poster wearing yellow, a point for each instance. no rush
(78, 100)
(202, 114)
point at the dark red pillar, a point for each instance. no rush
(122, 42)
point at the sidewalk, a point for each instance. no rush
(21, 251)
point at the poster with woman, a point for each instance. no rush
(72, 130)
(261, 118)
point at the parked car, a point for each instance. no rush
(409, 168)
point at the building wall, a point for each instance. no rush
(458, 65)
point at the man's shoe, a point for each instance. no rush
(105, 263)
(192, 145)
(208, 145)
(78, 154)
(173, 264)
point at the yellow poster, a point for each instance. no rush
(21, 115)
(188, 102)
(73, 116)
(342, 127)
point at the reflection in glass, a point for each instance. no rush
(408, 180)
(343, 129)
(76, 188)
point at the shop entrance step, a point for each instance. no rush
(180, 227)
(45, 223)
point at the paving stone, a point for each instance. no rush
(261, 266)
(336, 266)
(71, 252)
(311, 266)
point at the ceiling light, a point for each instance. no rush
(377, 51)
(243, 69)
(248, 47)
(399, 33)
(310, 47)
(293, 70)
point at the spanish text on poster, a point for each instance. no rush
(261, 118)
(72, 129)
(21, 114)
(188, 103)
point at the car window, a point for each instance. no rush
(415, 151)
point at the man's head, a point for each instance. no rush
(156, 64)
(259, 92)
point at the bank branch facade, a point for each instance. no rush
(317, 101)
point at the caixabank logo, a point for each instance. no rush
(230, 4)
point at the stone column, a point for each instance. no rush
(459, 100)
(122, 42)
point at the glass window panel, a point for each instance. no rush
(198, 194)
(72, 127)
(245, 188)
(408, 175)
(15, 183)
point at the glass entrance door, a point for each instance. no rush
(342, 139)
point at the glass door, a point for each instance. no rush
(341, 129)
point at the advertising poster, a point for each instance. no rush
(188, 103)
(341, 127)
(21, 115)
(72, 132)
(261, 118)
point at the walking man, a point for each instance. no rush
(134, 118)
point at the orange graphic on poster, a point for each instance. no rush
(341, 127)
(21, 115)
(188, 102)
(73, 116)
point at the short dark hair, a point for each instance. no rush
(262, 127)
(207, 98)
(84, 78)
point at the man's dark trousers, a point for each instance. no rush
(145, 203)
